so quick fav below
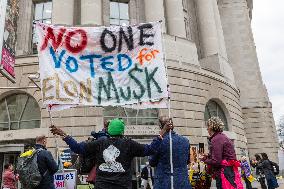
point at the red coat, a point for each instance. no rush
(9, 179)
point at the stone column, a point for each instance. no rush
(63, 12)
(154, 11)
(175, 18)
(24, 28)
(91, 12)
(207, 27)
(221, 40)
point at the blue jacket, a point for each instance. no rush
(161, 160)
(47, 167)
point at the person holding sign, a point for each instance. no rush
(161, 160)
(114, 155)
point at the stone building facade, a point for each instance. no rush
(212, 67)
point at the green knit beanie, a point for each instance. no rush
(116, 127)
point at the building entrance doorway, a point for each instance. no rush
(7, 158)
(9, 153)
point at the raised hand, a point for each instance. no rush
(56, 131)
(167, 125)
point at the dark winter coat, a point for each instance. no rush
(47, 168)
(113, 158)
(267, 169)
(145, 173)
(161, 161)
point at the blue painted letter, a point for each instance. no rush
(105, 63)
(91, 59)
(53, 54)
(120, 66)
(68, 66)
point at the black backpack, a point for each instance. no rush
(27, 167)
(275, 167)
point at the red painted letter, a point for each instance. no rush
(50, 35)
(79, 47)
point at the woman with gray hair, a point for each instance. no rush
(222, 158)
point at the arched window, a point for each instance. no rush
(132, 116)
(214, 109)
(19, 111)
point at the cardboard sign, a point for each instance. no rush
(68, 158)
(66, 180)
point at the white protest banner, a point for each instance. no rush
(117, 65)
(66, 180)
(162, 103)
(59, 107)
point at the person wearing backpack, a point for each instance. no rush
(268, 172)
(275, 167)
(36, 167)
(46, 164)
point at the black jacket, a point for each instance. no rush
(113, 158)
(47, 167)
(266, 167)
(145, 174)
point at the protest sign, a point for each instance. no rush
(68, 158)
(117, 65)
(66, 180)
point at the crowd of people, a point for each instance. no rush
(112, 154)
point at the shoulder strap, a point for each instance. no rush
(273, 163)
(37, 151)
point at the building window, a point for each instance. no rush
(119, 12)
(187, 28)
(187, 20)
(43, 14)
(212, 109)
(132, 116)
(184, 5)
(19, 111)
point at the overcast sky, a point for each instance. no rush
(268, 29)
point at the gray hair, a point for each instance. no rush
(216, 124)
